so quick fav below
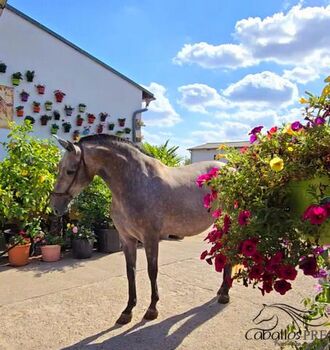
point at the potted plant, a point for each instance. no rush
(59, 95)
(127, 130)
(51, 247)
(30, 119)
(19, 249)
(20, 111)
(68, 110)
(3, 67)
(48, 105)
(24, 96)
(90, 118)
(103, 116)
(44, 119)
(29, 75)
(79, 120)
(82, 239)
(54, 129)
(82, 107)
(76, 135)
(111, 126)
(36, 107)
(99, 129)
(86, 131)
(121, 121)
(57, 115)
(41, 89)
(16, 78)
(119, 133)
(67, 126)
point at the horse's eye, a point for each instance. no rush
(70, 172)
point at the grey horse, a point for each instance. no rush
(150, 201)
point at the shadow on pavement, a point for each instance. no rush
(157, 335)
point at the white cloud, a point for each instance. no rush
(214, 56)
(262, 90)
(293, 38)
(200, 97)
(161, 113)
(301, 75)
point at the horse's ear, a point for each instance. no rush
(68, 145)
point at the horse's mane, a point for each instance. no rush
(104, 139)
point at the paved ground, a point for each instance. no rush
(73, 304)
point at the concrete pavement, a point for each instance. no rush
(73, 304)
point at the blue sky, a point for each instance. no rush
(217, 67)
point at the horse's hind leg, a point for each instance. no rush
(223, 292)
(129, 248)
(151, 249)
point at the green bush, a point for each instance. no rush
(165, 154)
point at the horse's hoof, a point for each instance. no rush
(223, 299)
(150, 315)
(124, 319)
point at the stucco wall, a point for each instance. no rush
(23, 46)
(202, 154)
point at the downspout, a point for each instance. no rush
(135, 114)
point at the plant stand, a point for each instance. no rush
(107, 240)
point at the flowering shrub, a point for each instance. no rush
(271, 202)
(79, 232)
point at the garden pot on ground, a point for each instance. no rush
(107, 240)
(19, 255)
(82, 248)
(51, 253)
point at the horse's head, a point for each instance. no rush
(72, 177)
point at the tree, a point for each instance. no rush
(164, 153)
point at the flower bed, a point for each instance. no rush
(259, 226)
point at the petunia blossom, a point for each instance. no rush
(296, 126)
(316, 214)
(243, 217)
(249, 247)
(282, 286)
(219, 262)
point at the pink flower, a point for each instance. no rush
(209, 198)
(217, 213)
(75, 229)
(220, 262)
(226, 224)
(243, 217)
(296, 126)
(202, 179)
(253, 138)
(315, 214)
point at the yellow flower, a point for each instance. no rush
(220, 156)
(277, 164)
(287, 130)
(42, 178)
(290, 149)
(327, 80)
(303, 100)
(24, 172)
(326, 91)
(222, 147)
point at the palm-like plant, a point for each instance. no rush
(164, 153)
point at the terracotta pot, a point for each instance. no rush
(36, 109)
(19, 255)
(41, 89)
(59, 97)
(91, 120)
(20, 112)
(51, 253)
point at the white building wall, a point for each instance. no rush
(24, 46)
(199, 155)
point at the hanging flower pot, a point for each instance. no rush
(91, 118)
(59, 95)
(24, 96)
(76, 135)
(40, 89)
(82, 107)
(54, 129)
(99, 129)
(67, 127)
(120, 133)
(111, 126)
(20, 111)
(121, 121)
(36, 107)
(86, 131)
(16, 78)
(44, 119)
(48, 105)
(30, 119)
(103, 116)
(19, 255)
(127, 130)
(3, 68)
(57, 115)
(29, 76)
(79, 120)
(68, 110)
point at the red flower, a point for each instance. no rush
(249, 247)
(214, 235)
(226, 223)
(273, 130)
(236, 204)
(217, 213)
(220, 262)
(243, 217)
(216, 247)
(244, 149)
(256, 272)
(274, 261)
(287, 272)
(203, 255)
(315, 214)
(282, 286)
(326, 206)
(258, 258)
(309, 266)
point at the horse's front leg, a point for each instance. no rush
(129, 248)
(151, 249)
(223, 292)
